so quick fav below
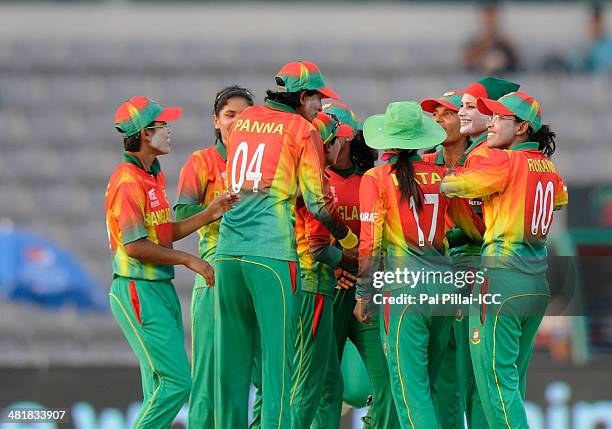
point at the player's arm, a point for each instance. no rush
(561, 194)
(146, 251)
(214, 211)
(129, 206)
(321, 248)
(468, 222)
(489, 176)
(314, 188)
(372, 206)
(191, 188)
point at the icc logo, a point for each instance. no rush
(153, 198)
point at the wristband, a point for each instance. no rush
(349, 241)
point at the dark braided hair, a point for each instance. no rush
(545, 138)
(408, 185)
(362, 156)
(291, 99)
(224, 96)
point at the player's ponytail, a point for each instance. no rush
(545, 138)
(223, 97)
(361, 155)
(408, 185)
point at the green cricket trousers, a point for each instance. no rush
(254, 293)
(149, 314)
(502, 338)
(366, 338)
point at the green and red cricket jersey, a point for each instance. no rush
(202, 179)
(437, 158)
(520, 188)
(310, 234)
(316, 276)
(345, 191)
(136, 207)
(393, 227)
(270, 152)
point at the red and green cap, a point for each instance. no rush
(491, 87)
(329, 126)
(450, 100)
(519, 104)
(344, 114)
(303, 76)
(138, 112)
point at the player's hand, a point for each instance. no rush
(346, 280)
(350, 259)
(362, 312)
(203, 268)
(222, 203)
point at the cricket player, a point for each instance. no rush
(520, 188)
(465, 253)
(202, 179)
(345, 178)
(141, 233)
(272, 150)
(444, 111)
(402, 219)
(317, 259)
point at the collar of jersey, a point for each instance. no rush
(526, 146)
(347, 172)
(134, 159)
(472, 145)
(221, 149)
(279, 106)
(439, 156)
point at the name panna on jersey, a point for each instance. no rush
(157, 217)
(259, 127)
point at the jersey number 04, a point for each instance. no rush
(240, 171)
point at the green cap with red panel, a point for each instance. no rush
(451, 100)
(303, 76)
(518, 104)
(344, 114)
(329, 126)
(138, 112)
(491, 88)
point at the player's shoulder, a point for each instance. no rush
(299, 126)
(124, 175)
(429, 157)
(203, 156)
(125, 171)
(379, 171)
(425, 166)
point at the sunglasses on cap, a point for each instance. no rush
(337, 123)
(165, 125)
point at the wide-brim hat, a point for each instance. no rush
(402, 126)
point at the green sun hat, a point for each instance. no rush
(518, 104)
(402, 126)
(344, 114)
(303, 76)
